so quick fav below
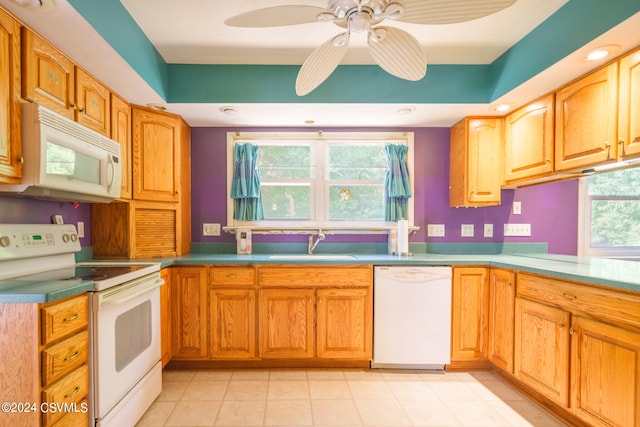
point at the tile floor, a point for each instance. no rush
(316, 397)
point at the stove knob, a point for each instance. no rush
(65, 238)
(74, 237)
(5, 241)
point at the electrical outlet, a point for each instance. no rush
(467, 230)
(488, 230)
(435, 230)
(210, 229)
(523, 230)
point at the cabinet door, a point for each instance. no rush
(528, 140)
(10, 141)
(156, 154)
(344, 323)
(629, 105)
(165, 316)
(605, 374)
(475, 162)
(48, 76)
(232, 317)
(121, 132)
(93, 103)
(286, 323)
(189, 312)
(502, 294)
(586, 120)
(470, 319)
(542, 349)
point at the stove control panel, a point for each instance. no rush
(31, 240)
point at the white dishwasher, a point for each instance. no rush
(411, 317)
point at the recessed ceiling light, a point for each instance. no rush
(228, 110)
(38, 5)
(502, 107)
(157, 106)
(601, 52)
(405, 110)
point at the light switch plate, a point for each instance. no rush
(210, 229)
(80, 229)
(488, 230)
(517, 208)
(466, 230)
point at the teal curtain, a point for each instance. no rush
(245, 186)
(397, 184)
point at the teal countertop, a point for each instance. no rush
(608, 272)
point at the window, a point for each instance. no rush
(611, 213)
(321, 180)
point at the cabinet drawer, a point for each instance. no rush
(609, 305)
(63, 319)
(230, 276)
(64, 357)
(72, 388)
(79, 418)
(333, 276)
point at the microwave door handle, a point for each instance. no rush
(111, 175)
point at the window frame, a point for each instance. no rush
(584, 226)
(318, 200)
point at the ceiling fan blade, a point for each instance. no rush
(398, 53)
(321, 63)
(449, 11)
(277, 16)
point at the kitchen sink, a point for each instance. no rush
(312, 257)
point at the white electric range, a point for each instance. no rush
(124, 362)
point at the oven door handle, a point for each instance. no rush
(129, 292)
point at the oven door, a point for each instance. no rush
(126, 339)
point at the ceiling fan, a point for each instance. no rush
(394, 50)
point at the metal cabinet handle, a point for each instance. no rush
(231, 276)
(72, 393)
(569, 296)
(71, 318)
(561, 325)
(72, 357)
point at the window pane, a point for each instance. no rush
(286, 201)
(357, 162)
(618, 183)
(615, 222)
(285, 162)
(356, 202)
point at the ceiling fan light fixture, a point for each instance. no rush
(359, 21)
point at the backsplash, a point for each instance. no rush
(551, 209)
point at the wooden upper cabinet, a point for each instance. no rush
(586, 120)
(121, 132)
(10, 141)
(528, 140)
(629, 105)
(93, 103)
(475, 171)
(156, 155)
(48, 75)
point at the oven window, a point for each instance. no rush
(133, 334)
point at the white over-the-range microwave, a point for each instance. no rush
(64, 160)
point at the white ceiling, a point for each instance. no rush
(193, 31)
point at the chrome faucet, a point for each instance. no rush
(312, 245)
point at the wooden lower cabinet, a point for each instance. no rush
(542, 349)
(470, 317)
(605, 374)
(286, 323)
(232, 323)
(165, 317)
(502, 297)
(189, 312)
(344, 323)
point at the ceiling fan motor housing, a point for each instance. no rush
(376, 9)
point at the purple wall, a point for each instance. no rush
(15, 210)
(551, 209)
